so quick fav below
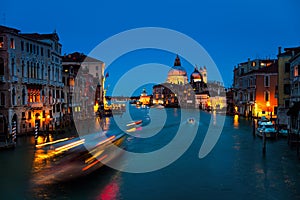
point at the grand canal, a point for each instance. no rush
(234, 169)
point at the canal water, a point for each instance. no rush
(234, 169)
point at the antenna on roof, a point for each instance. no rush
(54, 31)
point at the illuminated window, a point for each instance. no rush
(12, 43)
(267, 81)
(253, 64)
(1, 42)
(296, 71)
(262, 64)
(267, 96)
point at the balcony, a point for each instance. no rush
(44, 82)
(52, 83)
(24, 80)
(14, 79)
(296, 79)
(35, 104)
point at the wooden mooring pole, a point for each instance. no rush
(253, 128)
(264, 144)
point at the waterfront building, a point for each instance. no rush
(30, 81)
(178, 91)
(217, 96)
(84, 80)
(230, 110)
(254, 86)
(144, 98)
(294, 111)
(198, 80)
(284, 83)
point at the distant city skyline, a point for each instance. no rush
(231, 31)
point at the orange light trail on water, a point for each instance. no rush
(94, 163)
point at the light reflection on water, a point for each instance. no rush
(235, 169)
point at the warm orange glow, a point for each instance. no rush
(94, 163)
(47, 143)
(69, 146)
(236, 121)
(48, 116)
(106, 140)
(96, 107)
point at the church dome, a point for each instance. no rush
(196, 75)
(177, 69)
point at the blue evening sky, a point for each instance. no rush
(231, 31)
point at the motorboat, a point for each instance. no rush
(70, 158)
(263, 119)
(267, 128)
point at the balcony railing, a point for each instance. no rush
(296, 79)
(14, 79)
(35, 104)
(24, 80)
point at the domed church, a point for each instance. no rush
(198, 82)
(177, 90)
(177, 74)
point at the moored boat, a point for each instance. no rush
(267, 128)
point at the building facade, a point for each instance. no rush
(254, 88)
(294, 110)
(284, 82)
(177, 91)
(83, 77)
(30, 81)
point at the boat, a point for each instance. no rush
(263, 119)
(134, 126)
(158, 106)
(267, 128)
(191, 120)
(283, 132)
(70, 158)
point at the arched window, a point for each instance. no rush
(2, 99)
(42, 77)
(13, 97)
(1, 67)
(28, 67)
(23, 97)
(31, 70)
(267, 96)
(12, 66)
(38, 71)
(23, 66)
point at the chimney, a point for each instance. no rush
(279, 50)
